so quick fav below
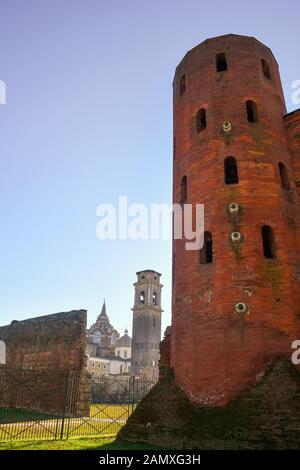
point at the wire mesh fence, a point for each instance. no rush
(54, 404)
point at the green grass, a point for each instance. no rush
(105, 420)
(75, 444)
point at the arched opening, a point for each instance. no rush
(231, 171)
(142, 297)
(284, 177)
(206, 253)
(221, 62)
(97, 337)
(154, 298)
(266, 69)
(2, 352)
(268, 240)
(201, 120)
(154, 322)
(183, 190)
(182, 85)
(252, 113)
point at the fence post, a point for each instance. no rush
(68, 391)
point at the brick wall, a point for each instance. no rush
(292, 122)
(266, 416)
(216, 352)
(50, 341)
(45, 364)
(165, 354)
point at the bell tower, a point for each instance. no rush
(146, 328)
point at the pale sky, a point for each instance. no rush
(88, 118)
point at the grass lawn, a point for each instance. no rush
(105, 420)
(75, 444)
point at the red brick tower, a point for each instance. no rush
(236, 303)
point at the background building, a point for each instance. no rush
(110, 354)
(102, 336)
(146, 327)
(107, 352)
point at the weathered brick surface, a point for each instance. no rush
(45, 364)
(266, 416)
(216, 353)
(292, 122)
(50, 341)
(54, 391)
(165, 354)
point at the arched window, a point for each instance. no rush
(284, 177)
(142, 297)
(2, 352)
(201, 120)
(252, 113)
(125, 354)
(221, 62)
(268, 240)
(154, 322)
(154, 298)
(266, 69)
(183, 190)
(231, 171)
(121, 369)
(206, 253)
(182, 85)
(97, 337)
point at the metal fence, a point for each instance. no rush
(53, 404)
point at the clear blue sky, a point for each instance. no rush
(88, 118)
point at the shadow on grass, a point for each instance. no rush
(76, 444)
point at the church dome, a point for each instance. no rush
(124, 341)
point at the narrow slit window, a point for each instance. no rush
(221, 62)
(268, 240)
(266, 69)
(201, 120)
(206, 254)
(183, 190)
(284, 177)
(231, 171)
(182, 85)
(252, 113)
